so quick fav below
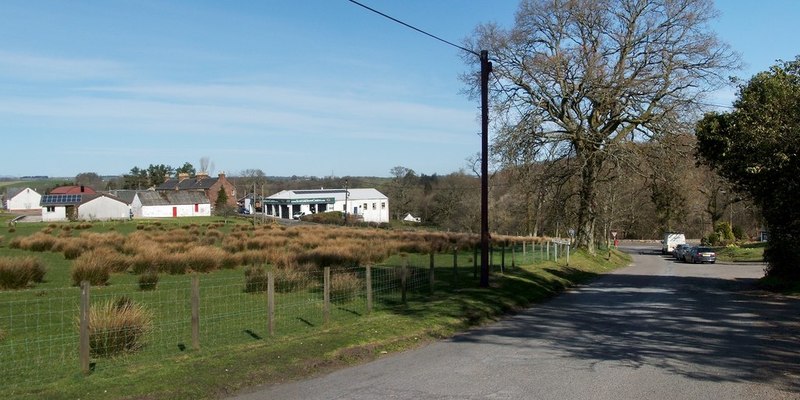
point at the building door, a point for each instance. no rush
(174, 212)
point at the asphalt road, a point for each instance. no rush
(655, 330)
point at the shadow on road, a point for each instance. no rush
(703, 328)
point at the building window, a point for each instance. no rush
(51, 209)
(365, 206)
(344, 207)
(383, 205)
(374, 206)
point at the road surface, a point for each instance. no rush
(655, 330)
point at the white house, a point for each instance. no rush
(170, 204)
(85, 206)
(368, 205)
(26, 199)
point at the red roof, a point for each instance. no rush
(73, 190)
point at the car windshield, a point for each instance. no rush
(704, 250)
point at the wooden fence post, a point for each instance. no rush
(547, 252)
(524, 250)
(555, 251)
(369, 289)
(271, 302)
(568, 254)
(404, 281)
(455, 265)
(503, 257)
(513, 255)
(326, 295)
(431, 277)
(84, 321)
(195, 312)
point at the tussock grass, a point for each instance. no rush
(19, 272)
(117, 327)
(345, 287)
(255, 279)
(95, 266)
(148, 280)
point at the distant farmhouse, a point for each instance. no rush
(65, 204)
(167, 203)
(202, 183)
(368, 205)
(23, 200)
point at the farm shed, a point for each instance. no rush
(170, 204)
(368, 205)
(25, 199)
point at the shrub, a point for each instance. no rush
(345, 287)
(148, 280)
(16, 273)
(738, 232)
(118, 326)
(255, 279)
(724, 232)
(711, 240)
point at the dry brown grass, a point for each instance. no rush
(345, 287)
(117, 327)
(19, 272)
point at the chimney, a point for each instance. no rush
(222, 175)
(83, 189)
(201, 175)
(182, 176)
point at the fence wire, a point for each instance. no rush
(40, 336)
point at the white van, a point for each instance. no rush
(671, 240)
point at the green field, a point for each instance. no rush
(39, 336)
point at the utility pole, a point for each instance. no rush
(486, 68)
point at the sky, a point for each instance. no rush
(307, 88)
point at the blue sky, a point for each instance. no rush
(316, 87)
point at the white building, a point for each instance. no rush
(170, 204)
(103, 208)
(85, 206)
(368, 205)
(26, 199)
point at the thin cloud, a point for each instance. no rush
(34, 67)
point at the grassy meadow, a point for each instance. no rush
(38, 322)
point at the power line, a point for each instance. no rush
(414, 28)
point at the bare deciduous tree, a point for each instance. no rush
(579, 78)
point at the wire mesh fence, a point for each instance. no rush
(40, 330)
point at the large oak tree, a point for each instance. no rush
(579, 78)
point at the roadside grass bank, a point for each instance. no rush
(750, 252)
(236, 351)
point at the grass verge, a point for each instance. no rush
(751, 252)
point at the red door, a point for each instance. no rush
(174, 212)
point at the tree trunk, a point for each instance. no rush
(587, 214)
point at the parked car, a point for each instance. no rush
(700, 254)
(299, 214)
(680, 250)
